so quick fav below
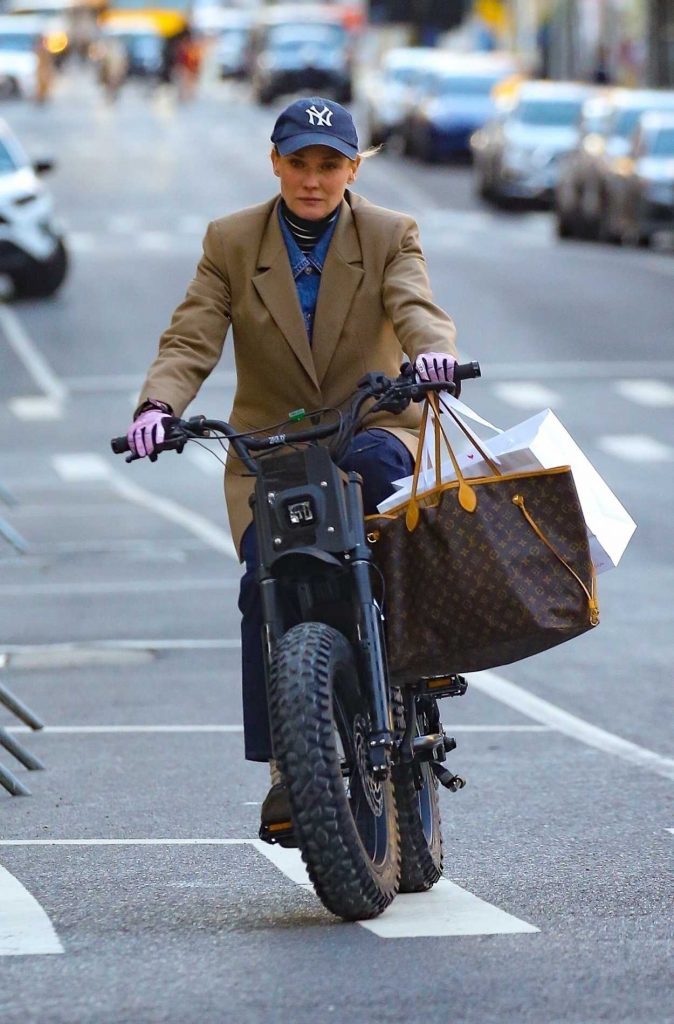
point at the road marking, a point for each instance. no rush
(155, 644)
(32, 359)
(116, 587)
(83, 729)
(78, 657)
(636, 447)
(446, 910)
(25, 928)
(124, 842)
(74, 730)
(160, 243)
(526, 395)
(154, 241)
(288, 862)
(130, 382)
(579, 369)
(526, 703)
(36, 407)
(654, 394)
(86, 467)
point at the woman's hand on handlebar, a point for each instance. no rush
(437, 367)
(147, 430)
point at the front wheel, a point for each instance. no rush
(344, 820)
(416, 790)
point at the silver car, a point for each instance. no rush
(583, 180)
(640, 186)
(518, 154)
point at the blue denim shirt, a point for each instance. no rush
(307, 269)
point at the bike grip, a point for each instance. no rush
(466, 371)
(120, 445)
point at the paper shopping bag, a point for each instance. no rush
(542, 442)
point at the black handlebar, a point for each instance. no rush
(404, 388)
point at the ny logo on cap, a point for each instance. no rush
(320, 117)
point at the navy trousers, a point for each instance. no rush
(380, 458)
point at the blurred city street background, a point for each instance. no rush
(131, 885)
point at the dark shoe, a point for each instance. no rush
(276, 825)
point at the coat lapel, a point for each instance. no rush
(342, 273)
(275, 285)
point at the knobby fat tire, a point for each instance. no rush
(310, 661)
(420, 859)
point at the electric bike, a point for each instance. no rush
(361, 751)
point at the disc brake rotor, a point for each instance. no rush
(371, 787)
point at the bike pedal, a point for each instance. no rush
(280, 832)
(444, 686)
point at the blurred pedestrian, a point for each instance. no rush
(601, 74)
(114, 67)
(187, 65)
(44, 80)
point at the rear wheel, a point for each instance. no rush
(416, 791)
(344, 820)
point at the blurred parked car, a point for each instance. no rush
(459, 101)
(20, 40)
(310, 55)
(48, 18)
(517, 155)
(388, 92)
(32, 250)
(592, 127)
(227, 31)
(640, 186)
(582, 212)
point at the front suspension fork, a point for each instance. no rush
(370, 637)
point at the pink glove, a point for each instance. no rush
(435, 366)
(147, 430)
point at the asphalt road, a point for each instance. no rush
(119, 627)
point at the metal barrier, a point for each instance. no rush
(7, 531)
(10, 701)
(11, 744)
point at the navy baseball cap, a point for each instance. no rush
(314, 121)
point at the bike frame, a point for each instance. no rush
(314, 564)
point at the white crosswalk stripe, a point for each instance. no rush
(527, 395)
(654, 394)
(636, 447)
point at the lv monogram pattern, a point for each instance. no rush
(473, 590)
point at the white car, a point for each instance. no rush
(388, 92)
(32, 250)
(19, 38)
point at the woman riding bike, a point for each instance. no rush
(320, 287)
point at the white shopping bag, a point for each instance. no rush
(541, 442)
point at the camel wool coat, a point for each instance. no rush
(374, 308)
